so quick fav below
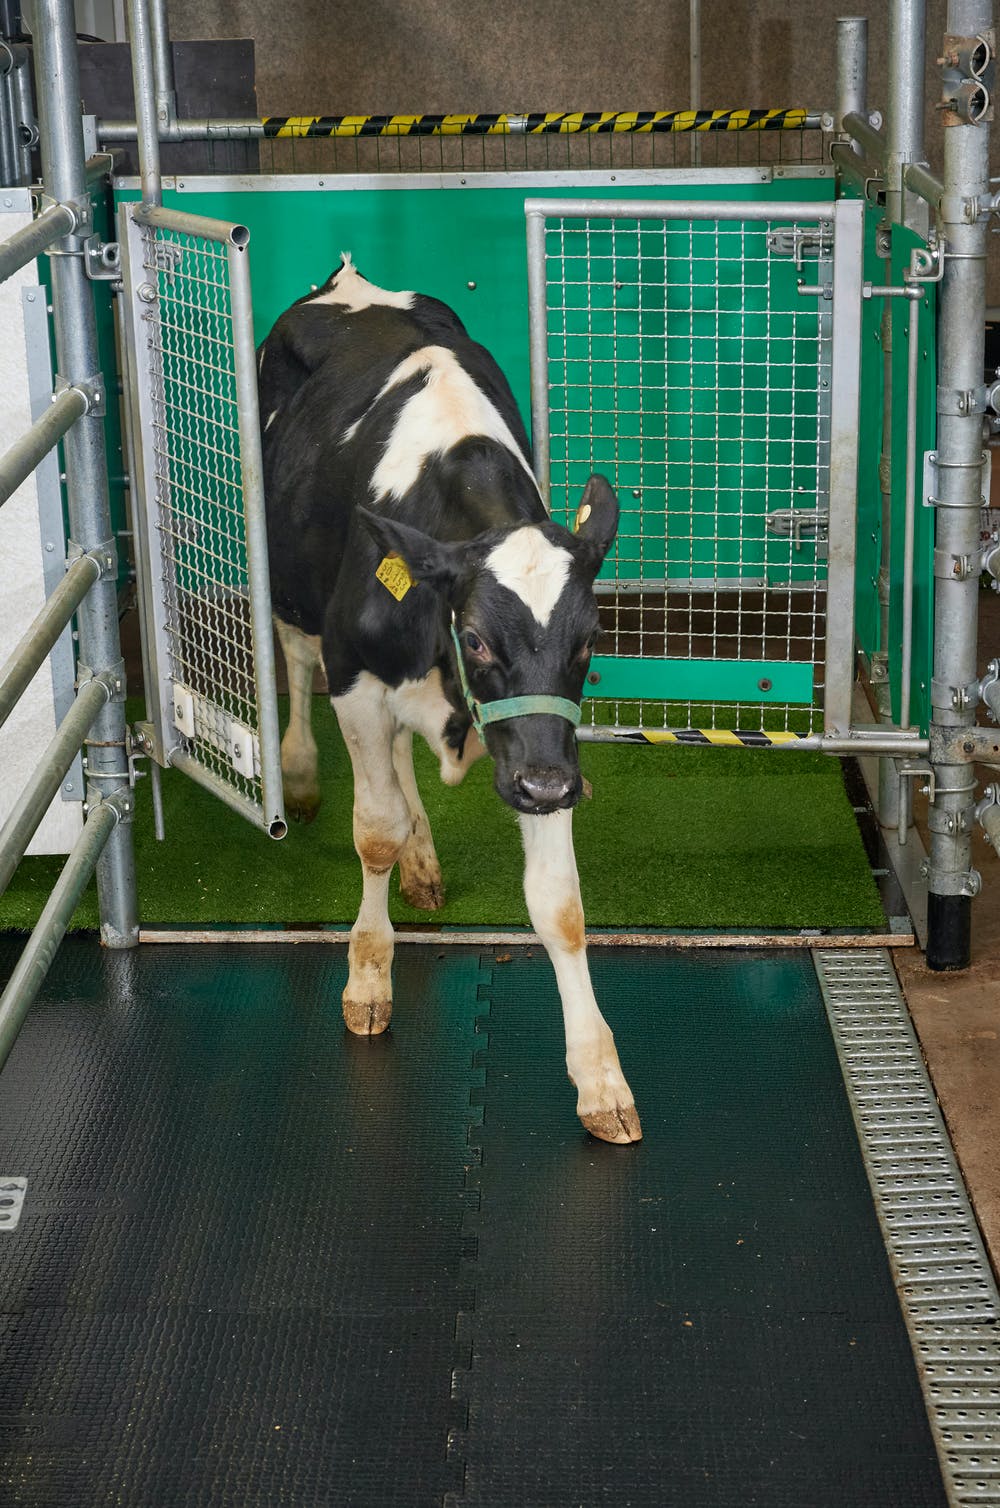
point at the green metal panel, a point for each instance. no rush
(869, 537)
(467, 247)
(701, 680)
(903, 242)
(867, 621)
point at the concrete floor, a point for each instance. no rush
(957, 1016)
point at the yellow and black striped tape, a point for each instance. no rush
(541, 124)
(722, 738)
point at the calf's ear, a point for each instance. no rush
(596, 519)
(426, 559)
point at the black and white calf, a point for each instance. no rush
(411, 552)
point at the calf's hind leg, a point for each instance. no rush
(552, 890)
(419, 870)
(381, 829)
(299, 765)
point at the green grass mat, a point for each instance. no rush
(689, 838)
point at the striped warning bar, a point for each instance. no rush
(722, 738)
(572, 122)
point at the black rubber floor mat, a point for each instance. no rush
(237, 1275)
(259, 1262)
(706, 1318)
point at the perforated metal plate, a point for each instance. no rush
(945, 1283)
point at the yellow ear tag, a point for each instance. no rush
(395, 577)
(583, 513)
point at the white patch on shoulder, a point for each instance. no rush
(531, 567)
(448, 408)
(351, 292)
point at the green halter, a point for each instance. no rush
(483, 713)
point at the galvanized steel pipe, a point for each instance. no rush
(872, 142)
(26, 244)
(919, 178)
(905, 115)
(17, 464)
(852, 67)
(36, 959)
(961, 340)
(57, 76)
(33, 648)
(144, 88)
(20, 826)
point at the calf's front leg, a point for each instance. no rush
(381, 828)
(605, 1103)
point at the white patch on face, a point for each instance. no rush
(349, 291)
(531, 567)
(447, 409)
(270, 420)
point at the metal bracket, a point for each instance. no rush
(954, 698)
(934, 464)
(113, 677)
(911, 772)
(82, 210)
(92, 389)
(987, 814)
(105, 554)
(962, 402)
(955, 746)
(949, 882)
(948, 567)
(927, 262)
(102, 260)
(989, 689)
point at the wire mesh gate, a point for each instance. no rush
(198, 509)
(690, 352)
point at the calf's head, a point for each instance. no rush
(524, 623)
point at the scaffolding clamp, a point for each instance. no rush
(958, 746)
(91, 388)
(968, 70)
(987, 814)
(104, 555)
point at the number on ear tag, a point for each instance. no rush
(394, 576)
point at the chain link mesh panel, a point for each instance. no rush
(684, 364)
(200, 446)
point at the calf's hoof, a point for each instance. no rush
(367, 1018)
(302, 798)
(620, 1125)
(301, 811)
(422, 892)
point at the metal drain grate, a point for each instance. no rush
(946, 1286)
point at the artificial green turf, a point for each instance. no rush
(673, 837)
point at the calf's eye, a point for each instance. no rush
(477, 650)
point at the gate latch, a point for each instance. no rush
(800, 241)
(793, 523)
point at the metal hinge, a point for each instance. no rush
(196, 716)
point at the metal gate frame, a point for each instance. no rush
(200, 532)
(846, 219)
